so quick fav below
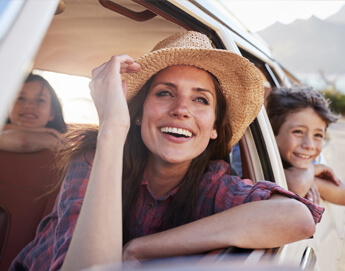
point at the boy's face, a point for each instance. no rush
(301, 137)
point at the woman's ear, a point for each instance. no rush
(214, 134)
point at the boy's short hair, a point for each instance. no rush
(283, 101)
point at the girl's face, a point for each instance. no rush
(33, 106)
(179, 114)
(300, 138)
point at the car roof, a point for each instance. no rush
(88, 32)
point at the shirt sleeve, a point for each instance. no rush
(69, 204)
(233, 191)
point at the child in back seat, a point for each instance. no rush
(35, 121)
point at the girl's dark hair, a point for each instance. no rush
(283, 101)
(184, 204)
(58, 123)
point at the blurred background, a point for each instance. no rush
(306, 37)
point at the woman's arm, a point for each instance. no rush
(259, 224)
(28, 140)
(97, 238)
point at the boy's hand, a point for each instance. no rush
(313, 194)
(324, 172)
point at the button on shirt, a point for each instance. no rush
(218, 191)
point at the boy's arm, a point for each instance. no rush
(299, 181)
(330, 191)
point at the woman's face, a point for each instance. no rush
(179, 114)
(32, 107)
(300, 138)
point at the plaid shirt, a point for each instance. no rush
(218, 191)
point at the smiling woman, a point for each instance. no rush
(170, 188)
(192, 100)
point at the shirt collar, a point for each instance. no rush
(145, 183)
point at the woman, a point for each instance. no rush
(36, 120)
(186, 107)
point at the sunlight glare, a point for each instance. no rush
(74, 94)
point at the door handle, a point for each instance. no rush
(308, 260)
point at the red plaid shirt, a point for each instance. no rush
(218, 191)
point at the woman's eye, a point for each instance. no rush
(163, 93)
(41, 100)
(20, 98)
(202, 100)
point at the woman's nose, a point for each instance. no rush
(180, 108)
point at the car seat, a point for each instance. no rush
(25, 180)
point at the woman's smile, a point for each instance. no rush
(176, 132)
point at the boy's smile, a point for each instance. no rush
(301, 137)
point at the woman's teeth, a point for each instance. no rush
(177, 131)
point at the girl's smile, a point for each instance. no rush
(33, 106)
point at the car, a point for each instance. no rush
(74, 36)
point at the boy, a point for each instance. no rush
(299, 117)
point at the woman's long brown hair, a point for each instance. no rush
(183, 206)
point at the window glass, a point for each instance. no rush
(8, 12)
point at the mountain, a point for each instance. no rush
(339, 17)
(309, 46)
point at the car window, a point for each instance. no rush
(8, 12)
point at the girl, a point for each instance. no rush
(188, 103)
(299, 119)
(35, 121)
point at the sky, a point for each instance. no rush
(257, 15)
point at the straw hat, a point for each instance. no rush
(240, 80)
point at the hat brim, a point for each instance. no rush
(240, 80)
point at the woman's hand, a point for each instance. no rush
(109, 92)
(324, 172)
